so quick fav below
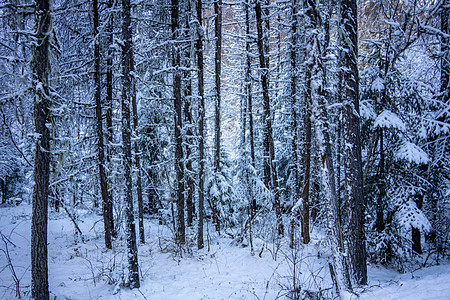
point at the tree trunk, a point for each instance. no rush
(379, 222)
(416, 237)
(445, 50)
(217, 97)
(270, 167)
(3, 189)
(99, 119)
(109, 110)
(127, 85)
(201, 124)
(352, 140)
(41, 69)
(179, 159)
(316, 82)
(306, 172)
(137, 152)
(217, 73)
(190, 184)
(248, 93)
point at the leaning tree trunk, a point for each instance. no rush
(348, 33)
(127, 78)
(41, 68)
(270, 167)
(201, 124)
(177, 102)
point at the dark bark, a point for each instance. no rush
(306, 173)
(217, 96)
(316, 82)
(352, 140)
(201, 124)
(416, 236)
(99, 120)
(445, 50)
(270, 167)
(249, 98)
(217, 73)
(109, 102)
(177, 102)
(380, 222)
(306, 157)
(41, 69)
(189, 171)
(137, 152)
(187, 88)
(127, 86)
(3, 190)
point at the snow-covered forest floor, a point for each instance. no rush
(85, 270)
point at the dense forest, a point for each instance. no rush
(263, 122)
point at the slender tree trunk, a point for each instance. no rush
(379, 222)
(316, 82)
(41, 69)
(445, 50)
(137, 153)
(189, 170)
(217, 74)
(3, 189)
(248, 93)
(201, 124)
(217, 97)
(127, 86)
(190, 185)
(109, 110)
(179, 158)
(416, 236)
(328, 183)
(248, 117)
(99, 119)
(306, 171)
(294, 167)
(270, 167)
(352, 139)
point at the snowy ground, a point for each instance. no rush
(85, 270)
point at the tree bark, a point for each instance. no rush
(3, 189)
(416, 236)
(41, 69)
(348, 34)
(379, 222)
(109, 110)
(217, 97)
(201, 124)
(445, 50)
(190, 185)
(127, 86)
(316, 81)
(270, 167)
(137, 152)
(179, 158)
(248, 93)
(99, 119)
